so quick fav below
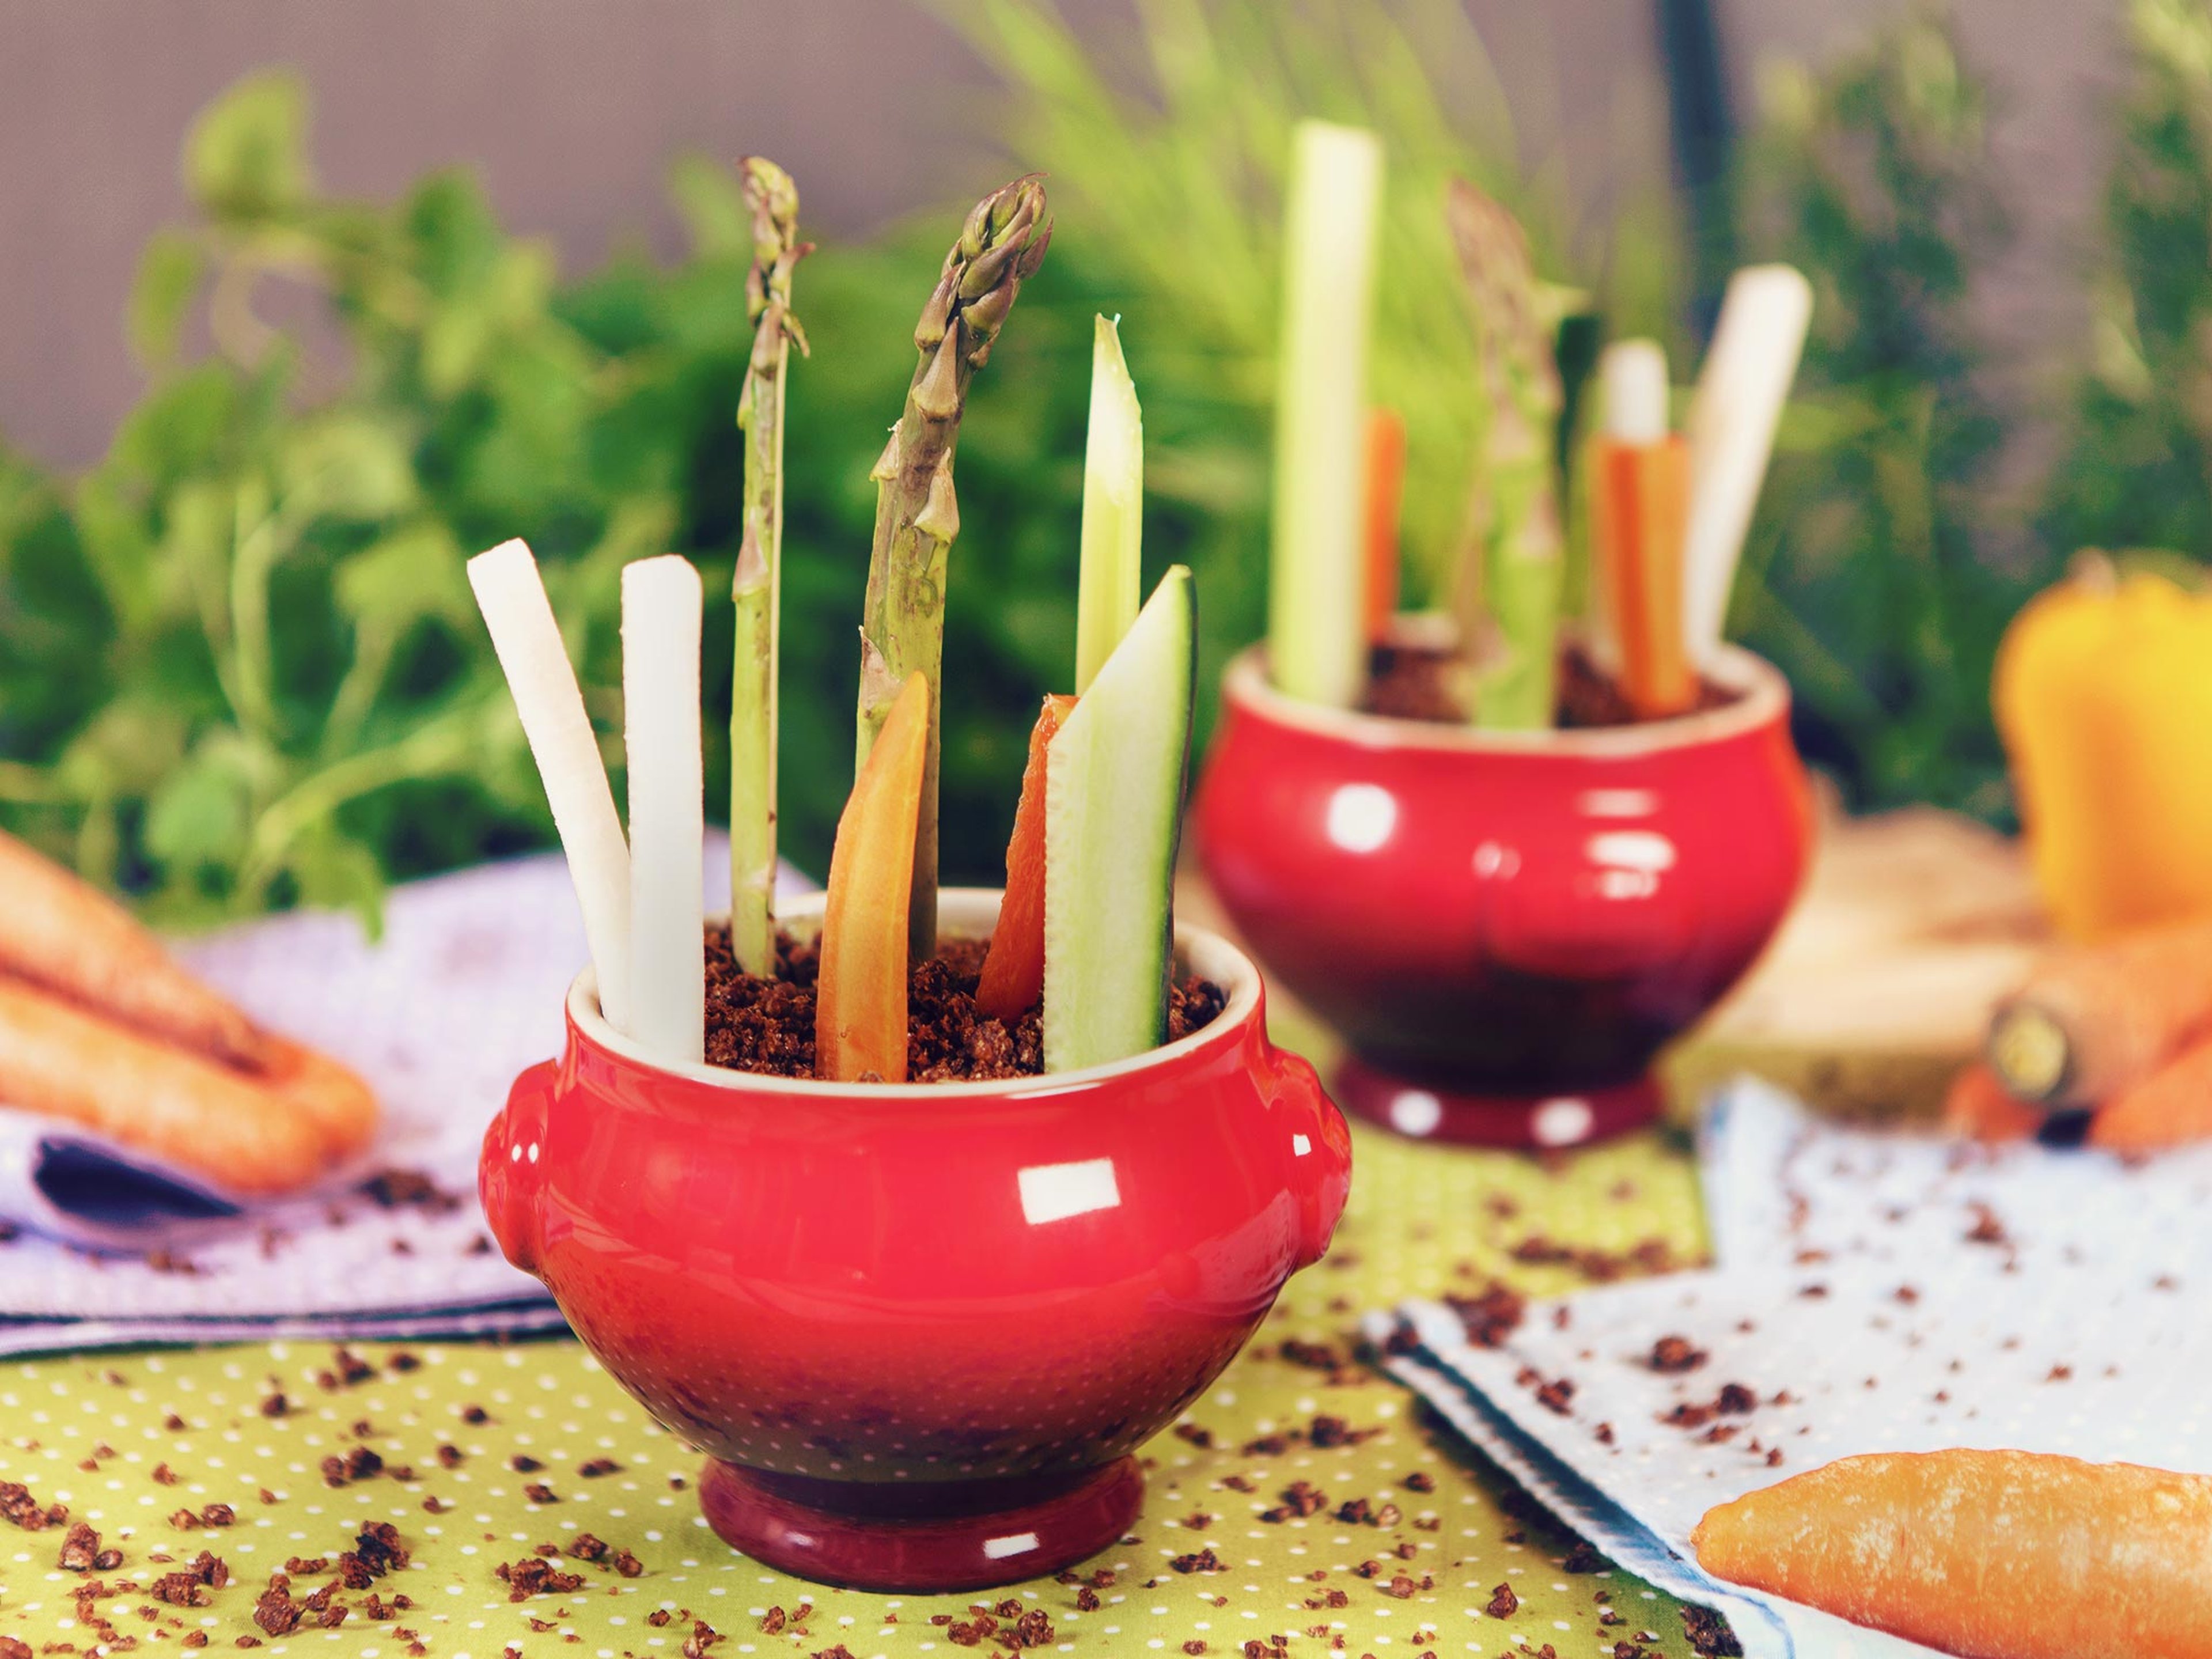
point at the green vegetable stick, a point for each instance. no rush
(903, 627)
(1109, 583)
(1507, 596)
(756, 591)
(1112, 809)
(1316, 633)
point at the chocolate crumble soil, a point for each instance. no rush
(1422, 683)
(767, 1025)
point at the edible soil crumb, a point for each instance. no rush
(767, 1025)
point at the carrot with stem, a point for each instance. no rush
(1985, 1555)
(2171, 1107)
(1013, 968)
(1978, 1106)
(2094, 1021)
(860, 1007)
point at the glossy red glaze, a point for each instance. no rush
(1505, 928)
(910, 1317)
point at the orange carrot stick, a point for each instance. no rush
(1386, 484)
(2169, 1108)
(1985, 1554)
(1979, 1107)
(2094, 1021)
(1642, 504)
(1013, 968)
(860, 997)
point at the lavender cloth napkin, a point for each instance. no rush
(463, 990)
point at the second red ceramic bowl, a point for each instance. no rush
(918, 1330)
(1505, 928)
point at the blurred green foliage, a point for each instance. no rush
(1870, 576)
(239, 663)
(2138, 472)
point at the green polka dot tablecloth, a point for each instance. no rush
(481, 1457)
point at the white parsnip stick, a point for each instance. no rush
(1746, 380)
(660, 621)
(535, 664)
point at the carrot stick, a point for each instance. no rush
(1979, 1107)
(2171, 1106)
(65, 934)
(1641, 504)
(1013, 968)
(2094, 1021)
(860, 1007)
(1386, 489)
(1985, 1554)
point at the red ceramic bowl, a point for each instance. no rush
(1505, 928)
(918, 1330)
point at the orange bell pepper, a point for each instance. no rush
(1013, 968)
(860, 995)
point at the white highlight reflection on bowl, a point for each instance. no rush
(1362, 817)
(1053, 1191)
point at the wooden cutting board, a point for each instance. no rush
(1878, 988)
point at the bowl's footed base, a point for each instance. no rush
(1036, 1527)
(1538, 1122)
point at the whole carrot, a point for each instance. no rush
(860, 997)
(1978, 1107)
(2169, 1108)
(65, 934)
(1985, 1555)
(1013, 968)
(2095, 1020)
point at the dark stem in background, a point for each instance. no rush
(1703, 129)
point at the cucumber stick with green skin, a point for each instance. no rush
(1113, 815)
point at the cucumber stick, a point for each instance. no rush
(1113, 814)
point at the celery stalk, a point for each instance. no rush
(1316, 633)
(1108, 584)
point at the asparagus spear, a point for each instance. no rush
(1513, 560)
(756, 590)
(903, 628)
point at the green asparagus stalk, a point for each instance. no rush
(903, 627)
(1316, 578)
(1109, 584)
(1507, 595)
(757, 587)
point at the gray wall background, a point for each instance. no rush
(571, 110)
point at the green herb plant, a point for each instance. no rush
(1870, 577)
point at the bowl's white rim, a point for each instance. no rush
(965, 909)
(1764, 698)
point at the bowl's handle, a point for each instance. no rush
(1321, 1148)
(509, 1177)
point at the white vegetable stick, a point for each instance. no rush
(1633, 374)
(661, 603)
(535, 664)
(1733, 414)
